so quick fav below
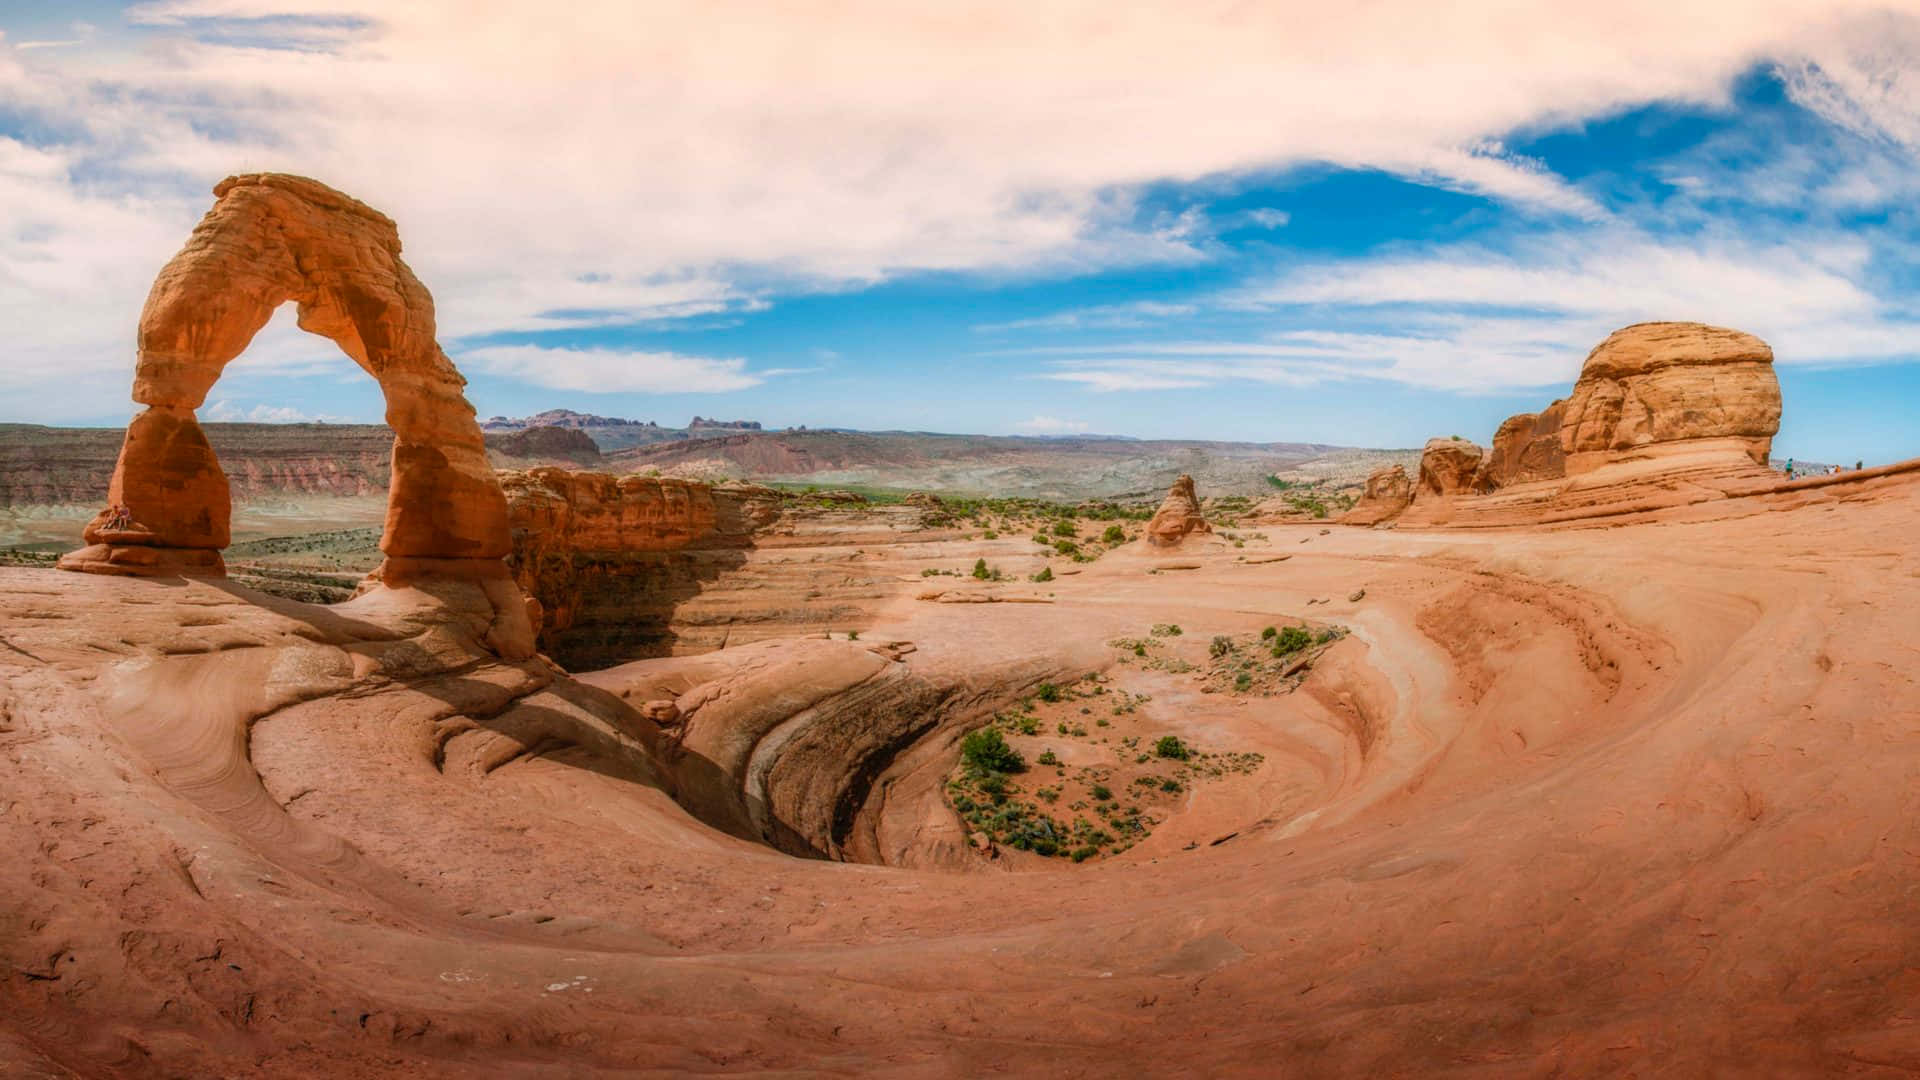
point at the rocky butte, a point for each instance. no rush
(1662, 414)
(1178, 517)
(1625, 786)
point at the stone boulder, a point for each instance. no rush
(1525, 448)
(1178, 516)
(1448, 467)
(1671, 381)
(1387, 493)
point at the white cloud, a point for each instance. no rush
(1051, 425)
(1102, 317)
(228, 412)
(597, 371)
(1472, 320)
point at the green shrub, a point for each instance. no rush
(1027, 725)
(1045, 574)
(988, 751)
(1269, 634)
(1101, 792)
(1048, 757)
(1166, 630)
(1114, 535)
(1047, 692)
(1082, 854)
(1222, 645)
(1140, 650)
(1170, 784)
(1243, 681)
(1065, 528)
(1066, 547)
(980, 569)
(1292, 639)
(853, 635)
(1170, 746)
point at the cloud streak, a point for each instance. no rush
(603, 371)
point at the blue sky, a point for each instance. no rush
(1186, 222)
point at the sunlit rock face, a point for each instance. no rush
(1178, 516)
(270, 239)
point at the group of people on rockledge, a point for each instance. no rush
(1823, 470)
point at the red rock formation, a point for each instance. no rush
(1667, 382)
(270, 239)
(1387, 493)
(1663, 414)
(1178, 516)
(607, 557)
(1448, 466)
(1526, 448)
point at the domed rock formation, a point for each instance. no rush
(1448, 466)
(269, 239)
(1671, 381)
(1387, 493)
(1178, 516)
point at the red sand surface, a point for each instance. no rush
(1628, 800)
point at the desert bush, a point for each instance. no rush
(1221, 646)
(1166, 630)
(1045, 574)
(987, 751)
(1114, 535)
(1065, 528)
(1170, 746)
(1292, 639)
(1048, 757)
(1047, 691)
(980, 569)
(1269, 634)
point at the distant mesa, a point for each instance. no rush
(563, 418)
(701, 423)
(1178, 516)
(545, 443)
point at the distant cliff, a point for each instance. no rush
(71, 466)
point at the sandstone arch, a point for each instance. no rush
(271, 238)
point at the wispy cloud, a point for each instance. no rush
(598, 371)
(1051, 425)
(1103, 317)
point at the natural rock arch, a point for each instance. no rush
(269, 239)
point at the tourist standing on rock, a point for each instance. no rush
(1789, 468)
